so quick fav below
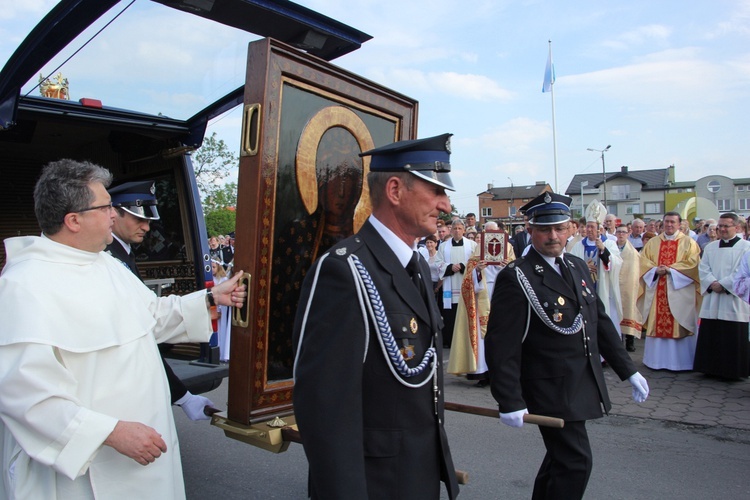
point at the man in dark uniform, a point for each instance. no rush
(371, 418)
(520, 240)
(135, 207)
(546, 359)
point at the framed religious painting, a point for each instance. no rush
(494, 247)
(301, 189)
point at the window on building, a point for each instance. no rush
(486, 211)
(621, 192)
(633, 208)
(724, 205)
(743, 204)
(652, 208)
(714, 186)
(740, 188)
(512, 211)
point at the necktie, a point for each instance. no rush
(565, 272)
(413, 269)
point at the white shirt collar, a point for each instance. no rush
(402, 250)
(126, 246)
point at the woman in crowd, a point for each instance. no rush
(436, 263)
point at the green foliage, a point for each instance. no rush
(448, 217)
(221, 197)
(211, 163)
(220, 221)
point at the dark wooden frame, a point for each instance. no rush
(271, 66)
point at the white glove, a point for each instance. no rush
(193, 406)
(640, 387)
(514, 418)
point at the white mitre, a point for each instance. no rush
(596, 212)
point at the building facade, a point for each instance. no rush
(503, 203)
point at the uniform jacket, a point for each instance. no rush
(365, 434)
(547, 372)
(519, 242)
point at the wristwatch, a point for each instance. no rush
(210, 297)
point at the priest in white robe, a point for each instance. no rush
(456, 253)
(84, 402)
(722, 347)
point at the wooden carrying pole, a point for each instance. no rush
(489, 412)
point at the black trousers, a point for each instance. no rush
(566, 467)
(449, 322)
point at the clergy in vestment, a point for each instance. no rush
(722, 348)
(456, 253)
(603, 259)
(631, 322)
(467, 350)
(78, 344)
(671, 298)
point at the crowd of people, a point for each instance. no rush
(679, 287)
(534, 316)
(221, 251)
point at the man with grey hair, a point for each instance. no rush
(704, 239)
(637, 228)
(610, 225)
(371, 290)
(78, 421)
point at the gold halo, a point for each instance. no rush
(307, 182)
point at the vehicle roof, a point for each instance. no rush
(172, 58)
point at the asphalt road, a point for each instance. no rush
(634, 458)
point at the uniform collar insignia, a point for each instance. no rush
(538, 269)
(341, 251)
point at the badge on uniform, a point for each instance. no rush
(341, 251)
(413, 325)
(407, 352)
(538, 269)
(561, 301)
(557, 316)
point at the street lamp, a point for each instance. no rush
(583, 184)
(510, 210)
(604, 172)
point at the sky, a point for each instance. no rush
(664, 83)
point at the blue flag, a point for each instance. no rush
(549, 74)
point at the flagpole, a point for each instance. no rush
(554, 128)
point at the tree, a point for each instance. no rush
(221, 197)
(448, 217)
(220, 221)
(211, 163)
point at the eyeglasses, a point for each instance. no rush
(106, 207)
